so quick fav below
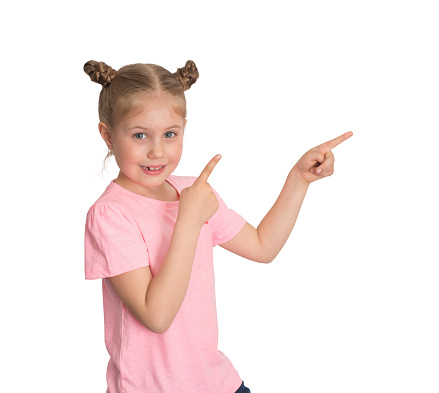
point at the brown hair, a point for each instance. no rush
(123, 91)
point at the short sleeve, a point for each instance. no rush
(113, 243)
(225, 223)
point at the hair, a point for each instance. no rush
(124, 91)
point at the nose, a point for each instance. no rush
(156, 151)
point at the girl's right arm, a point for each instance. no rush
(155, 301)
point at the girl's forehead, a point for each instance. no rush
(156, 114)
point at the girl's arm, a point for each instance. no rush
(156, 301)
(168, 288)
(265, 242)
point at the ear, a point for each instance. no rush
(105, 134)
(184, 125)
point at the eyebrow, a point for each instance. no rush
(147, 129)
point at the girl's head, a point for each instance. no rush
(140, 105)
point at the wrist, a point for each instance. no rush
(188, 222)
(297, 179)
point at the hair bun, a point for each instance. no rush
(188, 75)
(99, 72)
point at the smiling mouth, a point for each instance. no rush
(154, 168)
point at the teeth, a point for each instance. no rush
(152, 169)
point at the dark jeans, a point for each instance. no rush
(243, 389)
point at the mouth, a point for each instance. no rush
(153, 167)
(153, 170)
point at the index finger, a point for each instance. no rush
(209, 168)
(336, 141)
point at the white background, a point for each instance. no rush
(350, 304)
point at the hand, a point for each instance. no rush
(318, 162)
(198, 202)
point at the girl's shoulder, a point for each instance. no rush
(109, 206)
(108, 211)
(108, 198)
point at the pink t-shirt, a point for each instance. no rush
(125, 231)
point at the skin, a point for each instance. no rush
(160, 143)
(262, 244)
(318, 162)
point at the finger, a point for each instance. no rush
(326, 165)
(321, 158)
(315, 156)
(209, 168)
(336, 141)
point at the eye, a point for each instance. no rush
(141, 133)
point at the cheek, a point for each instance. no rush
(131, 155)
(175, 151)
(174, 157)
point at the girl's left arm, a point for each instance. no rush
(264, 243)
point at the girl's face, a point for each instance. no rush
(153, 137)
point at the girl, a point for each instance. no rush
(150, 235)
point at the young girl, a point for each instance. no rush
(150, 236)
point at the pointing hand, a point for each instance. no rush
(318, 162)
(198, 202)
